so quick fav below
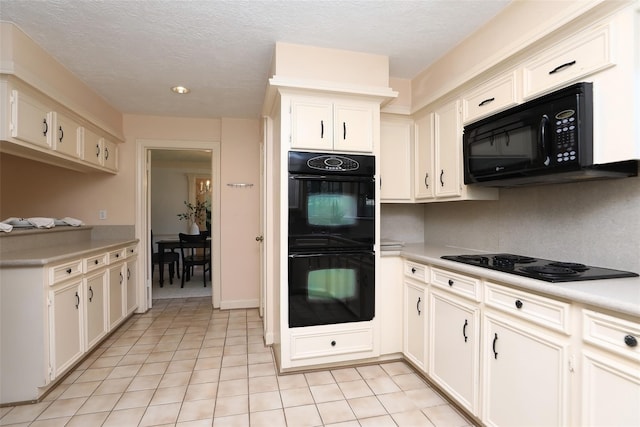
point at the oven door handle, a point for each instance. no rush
(333, 178)
(323, 254)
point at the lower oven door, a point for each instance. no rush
(330, 288)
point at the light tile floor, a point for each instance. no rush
(185, 364)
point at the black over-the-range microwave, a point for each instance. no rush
(545, 140)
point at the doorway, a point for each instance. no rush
(159, 152)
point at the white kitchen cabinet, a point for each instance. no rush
(415, 315)
(396, 159)
(489, 97)
(438, 157)
(30, 121)
(610, 362)
(132, 284)
(65, 136)
(37, 127)
(327, 124)
(330, 341)
(424, 158)
(525, 375)
(568, 60)
(454, 347)
(95, 303)
(389, 301)
(116, 294)
(65, 326)
(92, 147)
(110, 155)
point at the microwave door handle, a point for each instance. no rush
(543, 139)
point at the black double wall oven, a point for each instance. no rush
(331, 238)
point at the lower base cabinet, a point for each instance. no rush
(65, 320)
(415, 313)
(132, 301)
(525, 375)
(454, 347)
(116, 292)
(95, 303)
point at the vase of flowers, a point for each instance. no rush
(194, 214)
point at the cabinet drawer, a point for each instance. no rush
(611, 334)
(540, 310)
(416, 271)
(574, 58)
(65, 271)
(304, 346)
(495, 95)
(117, 255)
(131, 251)
(458, 284)
(95, 262)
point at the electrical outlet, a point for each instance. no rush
(102, 214)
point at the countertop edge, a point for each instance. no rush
(55, 254)
(582, 292)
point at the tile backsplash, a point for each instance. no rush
(596, 223)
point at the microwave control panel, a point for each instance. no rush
(565, 136)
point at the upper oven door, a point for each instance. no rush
(331, 212)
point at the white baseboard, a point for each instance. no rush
(241, 303)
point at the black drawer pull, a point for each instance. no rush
(630, 340)
(518, 304)
(426, 176)
(45, 130)
(321, 129)
(495, 340)
(450, 282)
(90, 296)
(95, 262)
(121, 278)
(418, 306)
(486, 101)
(333, 343)
(561, 67)
(441, 176)
(464, 330)
(77, 300)
(61, 134)
(413, 270)
(69, 271)
(344, 130)
(97, 150)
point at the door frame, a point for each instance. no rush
(143, 212)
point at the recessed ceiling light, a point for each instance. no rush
(180, 90)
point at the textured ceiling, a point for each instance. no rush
(132, 51)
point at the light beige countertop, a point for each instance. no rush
(621, 295)
(54, 254)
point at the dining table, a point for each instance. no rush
(171, 245)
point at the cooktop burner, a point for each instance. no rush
(542, 269)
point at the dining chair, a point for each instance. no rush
(172, 258)
(195, 250)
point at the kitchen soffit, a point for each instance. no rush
(131, 52)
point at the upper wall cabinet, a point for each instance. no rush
(38, 128)
(496, 94)
(396, 159)
(569, 60)
(325, 124)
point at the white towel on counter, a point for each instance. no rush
(40, 222)
(5, 227)
(71, 221)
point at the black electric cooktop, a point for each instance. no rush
(541, 269)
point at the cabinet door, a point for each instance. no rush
(395, 161)
(65, 135)
(312, 124)
(424, 158)
(415, 305)
(132, 301)
(30, 121)
(448, 148)
(454, 347)
(610, 391)
(92, 149)
(525, 378)
(95, 303)
(353, 127)
(110, 155)
(116, 295)
(65, 321)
